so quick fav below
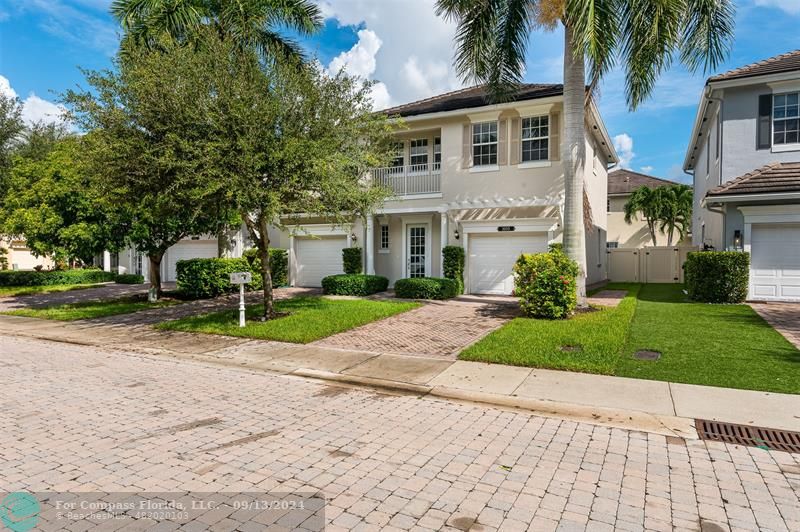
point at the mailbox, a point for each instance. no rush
(241, 277)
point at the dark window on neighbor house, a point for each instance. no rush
(786, 118)
(384, 237)
(612, 245)
(418, 154)
(484, 144)
(535, 138)
(437, 152)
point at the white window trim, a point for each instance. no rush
(535, 164)
(411, 155)
(472, 145)
(781, 148)
(486, 168)
(523, 140)
(386, 249)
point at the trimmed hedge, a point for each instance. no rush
(129, 278)
(454, 265)
(717, 276)
(351, 260)
(278, 261)
(426, 288)
(354, 285)
(206, 278)
(49, 278)
(546, 284)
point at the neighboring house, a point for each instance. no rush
(21, 258)
(621, 184)
(487, 177)
(744, 153)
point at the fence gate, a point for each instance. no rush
(661, 264)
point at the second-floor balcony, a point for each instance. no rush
(410, 180)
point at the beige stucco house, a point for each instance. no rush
(486, 177)
(19, 257)
(621, 184)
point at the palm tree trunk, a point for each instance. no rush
(573, 156)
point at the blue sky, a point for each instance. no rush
(401, 44)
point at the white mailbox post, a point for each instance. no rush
(241, 278)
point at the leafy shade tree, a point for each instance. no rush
(295, 141)
(148, 144)
(11, 126)
(53, 204)
(677, 202)
(250, 24)
(492, 39)
(646, 204)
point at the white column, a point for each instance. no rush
(369, 245)
(106, 261)
(292, 274)
(444, 239)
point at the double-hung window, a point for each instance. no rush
(484, 144)
(535, 138)
(418, 154)
(437, 153)
(384, 238)
(786, 118)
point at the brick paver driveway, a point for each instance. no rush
(78, 419)
(438, 328)
(97, 293)
(785, 317)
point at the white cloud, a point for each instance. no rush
(646, 169)
(34, 108)
(76, 21)
(623, 143)
(360, 59)
(790, 6)
(415, 55)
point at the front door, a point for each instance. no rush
(417, 245)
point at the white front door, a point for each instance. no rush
(775, 262)
(417, 254)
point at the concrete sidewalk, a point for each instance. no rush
(649, 406)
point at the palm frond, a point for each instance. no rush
(708, 33)
(596, 32)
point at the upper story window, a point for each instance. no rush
(484, 144)
(419, 152)
(399, 155)
(535, 138)
(786, 118)
(437, 152)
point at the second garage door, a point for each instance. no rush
(318, 258)
(188, 249)
(492, 257)
(775, 262)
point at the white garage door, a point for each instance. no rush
(318, 258)
(188, 249)
(492, 257)
(775, 262)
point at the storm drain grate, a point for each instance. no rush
(763, 438)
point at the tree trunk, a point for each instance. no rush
(652, 227)
(155, 291)
(573, 156)
(266, 269)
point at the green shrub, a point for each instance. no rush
(351, 260)
(49, 278)
(453, 266)
(545, 284)
(129, 278)
(354, 285)
(278, 261)
(717, 276)
(426, 288)
(205, 278)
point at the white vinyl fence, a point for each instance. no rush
(662, 264)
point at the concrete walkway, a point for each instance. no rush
(649, 406)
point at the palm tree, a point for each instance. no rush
(676, 211)
(252, 24)
(648, 204)
(492, 40)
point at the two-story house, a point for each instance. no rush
(744, 154)
(487, 177)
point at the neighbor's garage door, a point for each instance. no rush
(492, 257)
(775, 262)
(189, 249)
(318, 258)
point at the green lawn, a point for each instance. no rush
(309, 319)
(715, 345)
(12, 291)
(90, 309)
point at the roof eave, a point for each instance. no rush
(751, 196)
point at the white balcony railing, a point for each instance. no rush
(410, 180)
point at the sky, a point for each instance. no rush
(406, 49)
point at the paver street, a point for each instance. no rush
(80, 419)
